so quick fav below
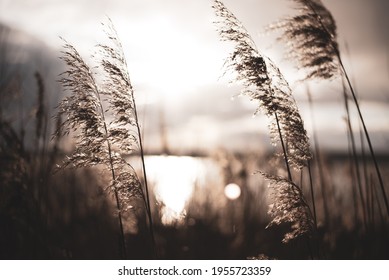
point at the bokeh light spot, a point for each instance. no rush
(232, 191)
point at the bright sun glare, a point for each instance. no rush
(172, 60)
(174, 178)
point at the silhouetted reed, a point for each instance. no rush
(312, 41)
(104, 124)
(263, 82)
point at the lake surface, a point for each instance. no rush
(175, 178)
(200, 185)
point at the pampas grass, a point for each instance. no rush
(263, 82)
(103, 120)
(312, 41)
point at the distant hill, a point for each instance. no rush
(28, 73)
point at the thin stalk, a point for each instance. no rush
(283, 147)
(291, 179)
(118, 205)
(147, 201)
(302, 179)
(146, 198)
(355, 156)
(351, 170)
(122, 237)
(367, 135)
(312, 194)
(373, 205)
(319, 162)
(316, 236)
(369, 201)
(380, 211)
(343, 69)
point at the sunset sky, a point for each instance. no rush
(176, 59)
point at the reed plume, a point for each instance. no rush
(103, 119)
(289, 207)
(263, 82)
(120, 93)
(312, 40)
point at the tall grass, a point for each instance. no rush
(104, 122)
(263, 82)
(23, 172)
(319, 161)
(312, 40)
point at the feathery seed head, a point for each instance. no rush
(97, 140)
(311, 39)
(263, 82)
(289, 206)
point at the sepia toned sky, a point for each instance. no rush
(175, 61)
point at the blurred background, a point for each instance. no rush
(203, 143)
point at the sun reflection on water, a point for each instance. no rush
(174, 179)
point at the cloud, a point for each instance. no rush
(175, 59)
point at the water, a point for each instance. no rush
(175, 178)
(200, 184)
